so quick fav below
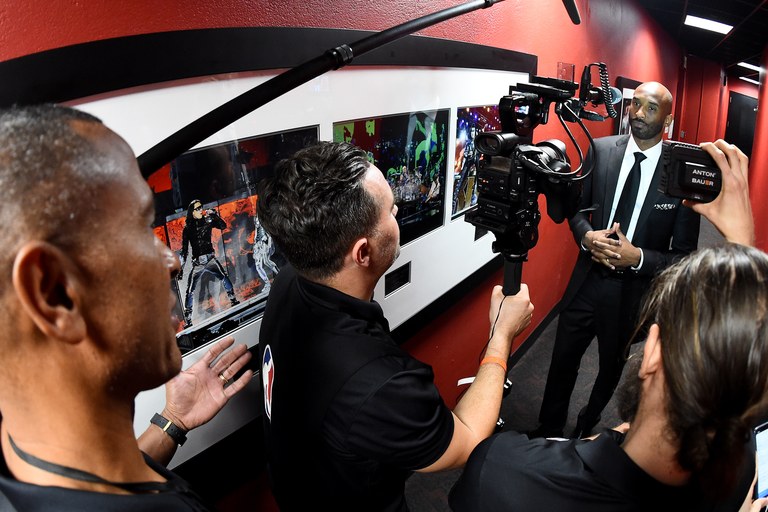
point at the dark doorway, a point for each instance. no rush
(742, 114)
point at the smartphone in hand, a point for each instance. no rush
(761, 445)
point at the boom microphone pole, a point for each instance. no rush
(208, 124)
(573, 11)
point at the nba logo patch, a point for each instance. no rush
(268, 379)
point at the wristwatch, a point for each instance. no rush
(178, 434)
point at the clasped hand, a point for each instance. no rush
(611, 248)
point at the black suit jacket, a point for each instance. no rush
(666, 230)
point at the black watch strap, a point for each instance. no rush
(178, 434)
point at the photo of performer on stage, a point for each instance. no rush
(197, 234)
(470, 122)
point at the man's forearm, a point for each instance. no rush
(479, 408)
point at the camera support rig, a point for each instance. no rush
(512, 171)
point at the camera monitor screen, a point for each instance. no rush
(229, 261)
(469, 122)
(411, 150)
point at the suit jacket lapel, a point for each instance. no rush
(612, 171)
(650, 199)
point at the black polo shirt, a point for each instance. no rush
(510, 472)
(348, 414)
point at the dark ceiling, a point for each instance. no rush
(745, 42)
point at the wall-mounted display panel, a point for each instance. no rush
(233, 282)
(323, 102)
(411, 151)
(627, 87)
(469, 122)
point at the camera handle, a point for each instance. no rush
(513, 273)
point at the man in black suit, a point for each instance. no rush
(621, 250)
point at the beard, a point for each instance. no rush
(390, 249)
(396, 253)
(645, 131)
(630, 389)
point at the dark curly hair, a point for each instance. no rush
(316, 206)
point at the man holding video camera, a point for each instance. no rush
(347, 413)
(627, 233)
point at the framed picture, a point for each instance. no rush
(222, 178)
(469, 122)
(627, 87)
(410, 150)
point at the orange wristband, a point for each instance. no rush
(496, 360)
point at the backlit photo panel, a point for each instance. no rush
(223, 178)
(469, 122)
(411, 151)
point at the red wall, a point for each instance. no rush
(742, 87)
(758, 168)
(696, 119)
(612, 31)
(758, 165)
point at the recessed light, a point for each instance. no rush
(750, 66)
(714, 26)
(749, 80)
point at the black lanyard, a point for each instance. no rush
(77, 474)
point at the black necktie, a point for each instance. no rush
(628, 197)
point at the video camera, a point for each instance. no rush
(512, 171)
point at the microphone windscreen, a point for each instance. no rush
(615, 96)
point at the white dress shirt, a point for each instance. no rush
(647, 167)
